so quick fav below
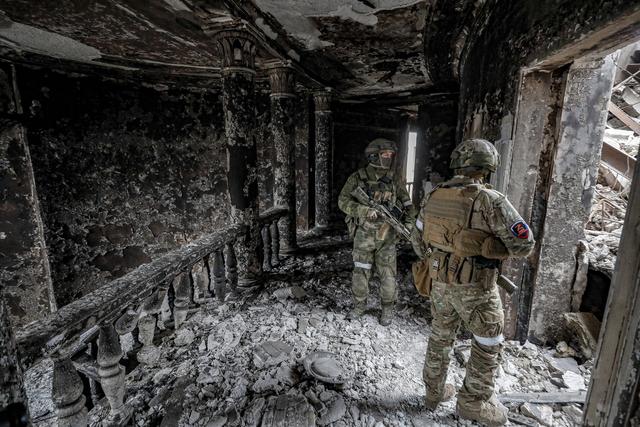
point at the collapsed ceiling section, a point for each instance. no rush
(358, 47)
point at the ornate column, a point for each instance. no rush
(283, 104)
(238, 49)
(324, 142)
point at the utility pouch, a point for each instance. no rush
(421, 277)
(466, 271)
(438, 266)
(485, 272)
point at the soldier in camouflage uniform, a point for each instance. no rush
(374, 241)
(468, 229)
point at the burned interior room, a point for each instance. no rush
(344, 213)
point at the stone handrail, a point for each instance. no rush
(108, 302)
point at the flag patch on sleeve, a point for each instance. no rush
(520, 229)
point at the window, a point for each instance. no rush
(411, 161)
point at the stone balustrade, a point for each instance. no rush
(84, 338)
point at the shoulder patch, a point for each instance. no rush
(520, 229)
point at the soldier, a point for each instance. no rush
(374, 241)
(468, 228)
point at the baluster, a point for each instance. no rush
(165, 309)
(275, 244)
(232, 268)
(219, 280)
(266, 248)
(67, 394)
(200, 277)
(151, 307)
(112, 375)
(182, 286)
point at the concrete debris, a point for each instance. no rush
(184, 337)
(271, 353)
(541, 413)
(562, 364)
(288, 410)
(231, 364)
(573, 381)
(295, 292)
(564, 350)
(585, 328)
(574, 412)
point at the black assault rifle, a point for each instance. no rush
(392, 217)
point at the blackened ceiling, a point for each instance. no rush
(361, 48)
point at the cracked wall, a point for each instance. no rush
(124, 172)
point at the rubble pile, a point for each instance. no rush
(288, 353)
(604, 228)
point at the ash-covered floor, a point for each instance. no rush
(211, 372)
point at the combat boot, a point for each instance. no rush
(386, 314)
(357, 311)
(491, 413)
(432, 402)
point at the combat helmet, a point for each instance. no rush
(475, 154)
(375, 147)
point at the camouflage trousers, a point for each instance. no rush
(481, 312)
(374, 251)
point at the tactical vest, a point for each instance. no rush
(447, 218)
(373, 185)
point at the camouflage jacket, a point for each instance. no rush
(378, 183)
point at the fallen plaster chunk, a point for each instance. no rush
(271, 353)
(574, 412)
(336, 409)
(586, 328)
(217, 421)
(184, 337)
(281, 410)
(562, 364)
(573, 381)
(541, 413)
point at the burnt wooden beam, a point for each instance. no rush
(624, 118)
(67, 326)
(619, 160)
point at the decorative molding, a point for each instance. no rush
(323, 100)
(282, 78)
(238, 49)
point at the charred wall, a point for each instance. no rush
(354, 128)
(508, 35)
(124, 172)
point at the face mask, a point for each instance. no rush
(386, 158)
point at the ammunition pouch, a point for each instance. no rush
(438, 264)
(485, 272)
